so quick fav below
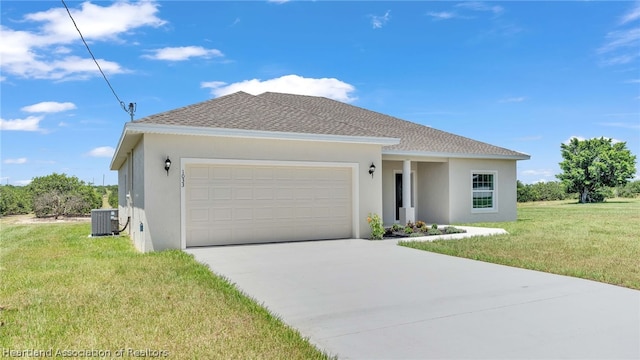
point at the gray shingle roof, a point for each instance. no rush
(317, 115)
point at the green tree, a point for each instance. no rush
(113, 196)
(14, 200)
(590, 166)
(61, 195)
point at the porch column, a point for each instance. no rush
(407, 212)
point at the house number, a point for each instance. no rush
(182, 178)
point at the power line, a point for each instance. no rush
(132, 106)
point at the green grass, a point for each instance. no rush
(593, 241)
(60, 289)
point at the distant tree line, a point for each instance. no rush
(556, 190)
(55, 195)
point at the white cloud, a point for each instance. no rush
(31, 123)
(102, 151)
(49, 107)
(292, 84)
(621, 46)
(442, 15)
(513, 99)
(183, 53)
(40, 52)
(22, 182)
(632, 15)
(379, 21)
(16, 161)
(480, 6)
(632, 81)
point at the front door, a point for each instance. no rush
(399, 193)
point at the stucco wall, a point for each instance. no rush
(433, 197)
(163, 202)
(460, 171)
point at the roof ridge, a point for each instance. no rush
(323, 116)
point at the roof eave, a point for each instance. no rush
(517, 156)
(131, 128)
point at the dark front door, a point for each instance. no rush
(398, 194)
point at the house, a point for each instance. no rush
(280, 167)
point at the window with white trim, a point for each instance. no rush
(483, 191)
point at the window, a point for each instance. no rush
(483, 191)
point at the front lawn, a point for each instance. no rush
(61, 290)
(593, 241)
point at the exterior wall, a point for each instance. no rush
(433, 197)
(460, 191)
(124, 210)
(389, 169)
(137, 186)
(163, 192)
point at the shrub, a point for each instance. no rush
(113, 196)
(630, 190)
(377, 230)
(15, 200)
(410, 224)
(420, 224)
(434, 227)
(58, 194)
(433, 231)
(453, 230)
(408, 230)
(396, 227)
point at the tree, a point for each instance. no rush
(589, 166)
(14, 200)
(59, 195)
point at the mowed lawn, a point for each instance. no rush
(62, 290)
(593, 241)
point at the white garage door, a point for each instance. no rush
(238, 204)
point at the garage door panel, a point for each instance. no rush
(221, 173)
(235, 204)
(199, 215)
(243, 193)
(199, 193)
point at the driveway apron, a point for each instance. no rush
(361, 299)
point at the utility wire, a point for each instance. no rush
(132, 106)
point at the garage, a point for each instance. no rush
(242, 203)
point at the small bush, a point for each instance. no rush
(433, 231)
(420, 224)
(396, 227)
(434, 226)
(453, 230)
(408, 230)
(410, 224)
(377, 230)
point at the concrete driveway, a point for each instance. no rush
(361, 299)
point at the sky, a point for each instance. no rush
(522, 75)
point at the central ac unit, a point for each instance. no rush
(104, 222)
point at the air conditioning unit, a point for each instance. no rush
(104, 222)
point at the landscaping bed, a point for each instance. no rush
(419, 229)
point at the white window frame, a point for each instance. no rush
(494, 191)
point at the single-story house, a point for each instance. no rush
(280, 167)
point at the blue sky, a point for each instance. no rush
(522, 75)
